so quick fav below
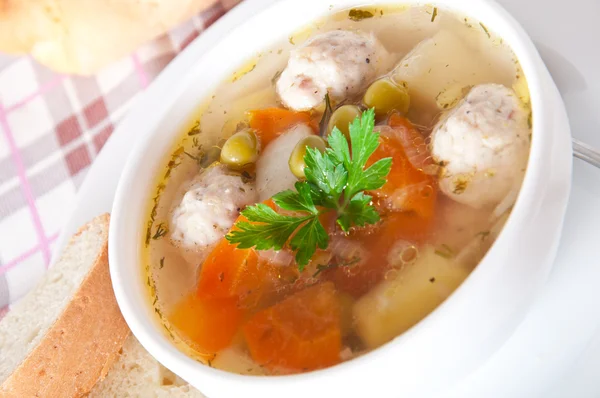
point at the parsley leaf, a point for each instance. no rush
(322, 171)
(335, 181)
(266, 228)
(364, 143)
(358, 212)
(301, 200)
(307, 239)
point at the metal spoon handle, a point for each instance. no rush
(586, 152)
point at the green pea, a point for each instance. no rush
(386, 96)
(240, 150)
(296, 161)
(342, 117)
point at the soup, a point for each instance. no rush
(336, 189)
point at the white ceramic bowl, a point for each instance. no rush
(457, 337)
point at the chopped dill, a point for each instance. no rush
(169, 331)
(483, 234)
(445, 251)
(196, 143)
(148, 233)
(161, 231)
(159, 190)
(485, 29)
(276, 77)
(443, 254)
(323, 267)
(460, 184)
(175, 161)
(434, 15)
(247, 177)
(356, 14)
(196, 158)
(195, 130)
(210, 361)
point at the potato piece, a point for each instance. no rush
(438, 64)
(396, 305)
(273, 173)
(235, 360)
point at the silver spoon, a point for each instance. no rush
(586, 152)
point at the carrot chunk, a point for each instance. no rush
(225, 269)
(207, 324)
(232, 272)
(270, 123)
(413, 142)
(300, 333)
(408, 187)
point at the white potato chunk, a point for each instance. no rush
(483, 145)
(208, 208)
(395, 305)
(273, 173)
(235, 360)
(340, 62)
(436, 72)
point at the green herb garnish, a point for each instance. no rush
(445, 251)
(336, 181)
(358, 15)
(161, 231)
(323, 267)
(485, 29)
(195, 129)
(174, 162)
(434, 14)
(483, 235)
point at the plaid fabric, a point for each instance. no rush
(51, 129)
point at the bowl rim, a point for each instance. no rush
(168, 354)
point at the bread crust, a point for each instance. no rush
(81, 345)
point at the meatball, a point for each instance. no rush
(209, 207)
(340, 62)
(483, 146)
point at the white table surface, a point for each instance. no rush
(556, 351)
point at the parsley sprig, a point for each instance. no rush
(336, 180)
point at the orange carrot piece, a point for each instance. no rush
(223, 270)
(300, 333)
(232, 272)
(415, 146)
(207, 324)
(408, 188)
(270, 123)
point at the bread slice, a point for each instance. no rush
(64, 336)
(72, 37)
(137, 374)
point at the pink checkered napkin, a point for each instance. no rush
(51, 129)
